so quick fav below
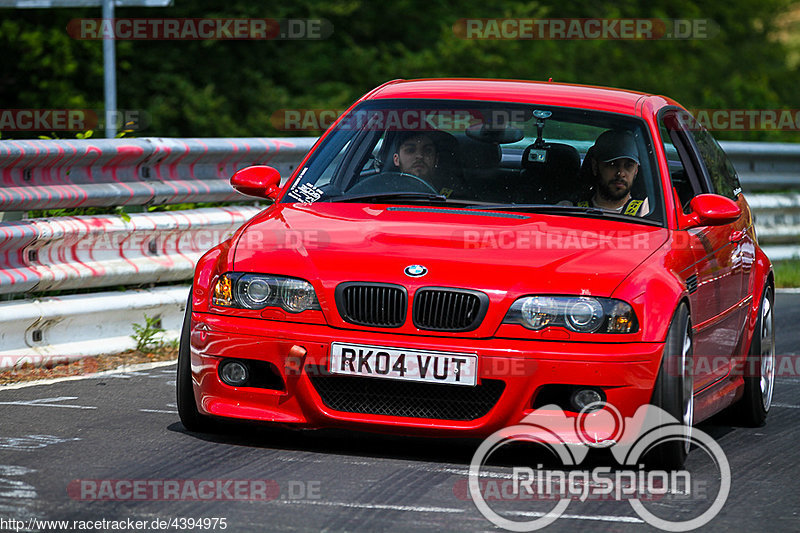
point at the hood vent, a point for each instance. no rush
(691, 283)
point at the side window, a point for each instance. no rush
(683, 168)
(720, 169)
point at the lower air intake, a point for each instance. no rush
(407, 398)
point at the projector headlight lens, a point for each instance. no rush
(253, 292)
(584, 315)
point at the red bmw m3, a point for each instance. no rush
(454, 254)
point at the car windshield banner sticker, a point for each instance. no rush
(306, 193)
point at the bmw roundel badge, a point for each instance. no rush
(415, 271)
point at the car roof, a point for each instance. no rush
(538, 92)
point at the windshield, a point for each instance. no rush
(468, 155)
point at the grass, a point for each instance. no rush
(787, 273)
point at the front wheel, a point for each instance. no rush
(759, 379)
(187, 406)
(674, 390)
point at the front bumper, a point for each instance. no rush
(625, 371)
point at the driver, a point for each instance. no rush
(615, 165)
(417, 154)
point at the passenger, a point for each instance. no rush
(614, 163)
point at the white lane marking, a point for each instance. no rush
(32, 442)
(454, 510)
(789, 406)
(17, 497)
(788, 290)
(601, 518)
(464, 472)
(377, 506)
(43, 402)
(501, 475)
(121, 370)
(172, 412)
(787, 380)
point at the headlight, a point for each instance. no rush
(297, 295)
(257, 291)
(581, 314)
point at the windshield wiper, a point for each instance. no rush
(424, 196)
(546, 208)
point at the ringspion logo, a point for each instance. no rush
(569, 439)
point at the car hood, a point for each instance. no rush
(497, 252)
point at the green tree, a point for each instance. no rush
(232, 88)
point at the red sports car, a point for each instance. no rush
(454, 254)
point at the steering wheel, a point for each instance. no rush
(392, 182)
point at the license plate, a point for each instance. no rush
(404, 364)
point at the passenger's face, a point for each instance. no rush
(417, 156)
(616, 177)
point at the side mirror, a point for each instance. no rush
(258, 180)
(712, 210)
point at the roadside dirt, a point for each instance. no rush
(87, 365)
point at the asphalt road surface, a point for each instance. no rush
(67, 449)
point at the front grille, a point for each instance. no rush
(409, 399)
(372, 304)
(442, 309)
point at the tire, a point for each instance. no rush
(759, 380)
(673, 391)
(190, 417)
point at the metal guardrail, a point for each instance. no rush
(765, 166)
(106, 250)
(55, 330)
(50, 174)
(67, 253)
(777, 219)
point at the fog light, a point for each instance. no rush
(233, 373)
(584, 397)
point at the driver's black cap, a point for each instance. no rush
(616, 144)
